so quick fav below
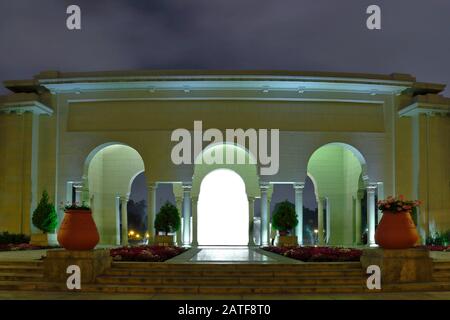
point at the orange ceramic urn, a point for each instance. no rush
(396, 231)
(78, 231)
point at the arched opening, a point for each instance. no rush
(338, 173)
(223, 209)
(109, 173)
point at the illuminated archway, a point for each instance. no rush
(223, 211)
(338, 172)
(109, 172)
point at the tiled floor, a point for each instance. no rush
(241, 255)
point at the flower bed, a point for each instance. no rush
(438, 248)
(317, 254)
(146, 253)
(21, 247)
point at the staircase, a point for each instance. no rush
(21, 275)
(441, 271)
(231, 278)
(219, 279)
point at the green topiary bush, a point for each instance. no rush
(44, 216)
(284, 218)
(168, 219)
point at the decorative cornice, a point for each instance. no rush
(429, 104)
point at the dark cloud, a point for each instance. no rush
(323, 35)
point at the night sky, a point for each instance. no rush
(314, 35)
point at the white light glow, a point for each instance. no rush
(222, 209)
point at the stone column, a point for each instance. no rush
(359, 197)
(151, 211)
(78, 195)
(265, 223)
(179, 205)
(186, 214)
(320, 220)
(124, 219)
(194, 222)
(251, 216)
(298, 188)
(371, 189)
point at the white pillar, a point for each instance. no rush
(371, 214)
(186, 214)
(124, 219)
(298, 188)
(380, 196)
(328, 215)
(265, 223)
(78, 195)
(194, 221)
(320, 220)
(179, 205)
(251, 216)
(34, 172)
(151, 211)
(359, 197)
(117, 216)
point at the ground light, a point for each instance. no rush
(223, 209)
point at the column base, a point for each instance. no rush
(400, 266)
(92, 263)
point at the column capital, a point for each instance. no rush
(371, 188)
(124, 198)
(299, 186)
(251, 198)
(152, 185)
(187, 187)
(264, 187)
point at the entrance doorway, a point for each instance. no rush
(223, 212)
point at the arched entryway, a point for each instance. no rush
(223, 197)
(338, 173)
(223, 209)
(109, 172)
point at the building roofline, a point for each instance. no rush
(56, 77)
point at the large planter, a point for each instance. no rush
(78, 231)
(396, 231)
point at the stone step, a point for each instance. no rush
(418, 287)
(20, 263)
(441, 265)
(239, 267)
(23, 269)
(233, 273)
(264, 289)
(203, 281)
(15, 276)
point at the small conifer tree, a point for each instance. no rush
(44, 216)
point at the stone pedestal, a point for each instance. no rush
(166, 240)
(400, 266)
(92, 263)
(287, 241)
(43, 239)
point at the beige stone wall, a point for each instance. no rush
(15, 166)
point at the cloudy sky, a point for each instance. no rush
(322, 35)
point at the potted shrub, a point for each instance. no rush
(78, 230)
(284, 219)
(396, 229)
(167, 221)
(45, 219)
